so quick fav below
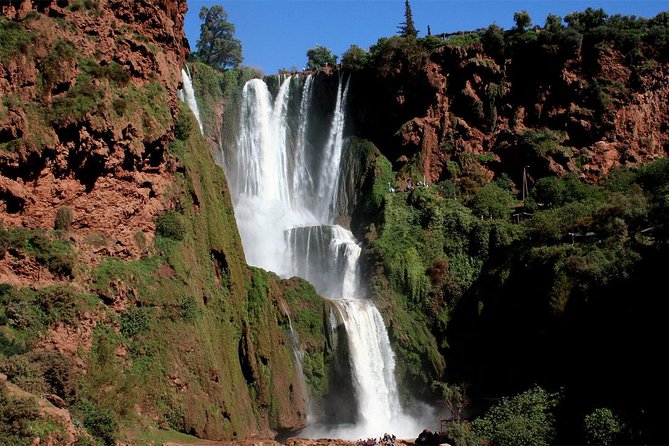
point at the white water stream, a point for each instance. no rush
(187, 95)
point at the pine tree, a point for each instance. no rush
(407, 28)
(429, 31)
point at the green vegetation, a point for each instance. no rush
(170, 225)
(217, 45)
(407, 28)
(354, 58)
(319, 57)
(525, 419)
(46, 247)
(602, 427)
(14, 40)
(16, 414)
(464, 280)
(183, 126)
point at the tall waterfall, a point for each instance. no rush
(187, 95)
(284, 187)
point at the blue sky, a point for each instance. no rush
(276, 34)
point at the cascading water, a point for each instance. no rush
(187, 95)
(285, 209)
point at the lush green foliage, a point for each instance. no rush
(14, 39)
(16, 413)
(354, 58)
(319, 57)
(183, 126)
(100, 422)
(170, 225)
(217, 45)
(523, 420)
(522, 20)
(601, 427)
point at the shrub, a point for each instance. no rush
(522, 420)
(601, 427)
(58, 372)
(15, 415)
(170, 225)
(183, 125)
(64, 218)
(25, 373)
(21, 311)
(14, 39)
(42, 371)
(58, 303)
(188, 309)
(100, 422)
(135, 320)
(9, 347)
(461, 434)
(84, 98)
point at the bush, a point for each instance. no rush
(188, 309)
(59, 304)
(100, 422)
(601, 427)
(64, 218)
(15, 415)
(461, 434)
(135, 320)
(523, 420)
(184, 124)
(170, 225)
(9, 347)
(55, 254)
(42, 371)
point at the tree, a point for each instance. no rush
(453, 397)
(586, 20)
(553, 23)
(320, 56)
(354, 58)
(493, 41)
(602, 427)
(407, 28)
(525, 419)
(217, 45)
(491, 201)
(522, 20)
(429, 31)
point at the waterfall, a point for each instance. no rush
(285, 210)
(187, 95)
(329, 171)
(302, 178)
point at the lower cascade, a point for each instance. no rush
(284, 188)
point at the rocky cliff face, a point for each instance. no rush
(464, 113)
(112, 210)
(87, 114)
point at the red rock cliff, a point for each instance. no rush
(462, 113)
(76, 129)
